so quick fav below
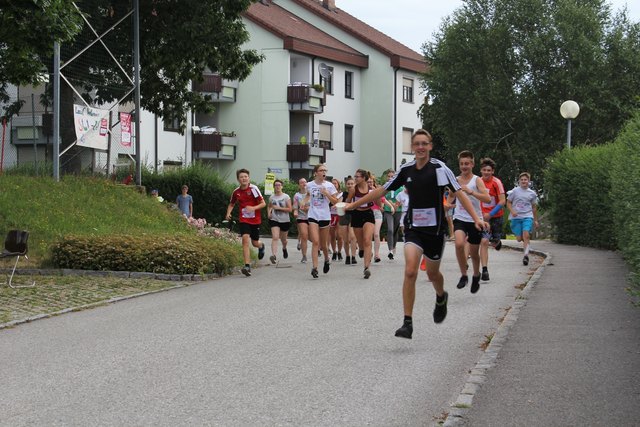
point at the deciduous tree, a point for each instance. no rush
(500, 69)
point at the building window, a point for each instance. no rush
(327, 82)
(348, 84)
(348, 138)
(172, 125)
(407, 90)
(324, 136)
(406, 140)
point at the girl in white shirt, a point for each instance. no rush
(320, 194)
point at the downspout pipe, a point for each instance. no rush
(395, 118)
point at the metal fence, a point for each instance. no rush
(96, 86)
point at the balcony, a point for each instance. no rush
(304, 156)
(305, 99)
(214, 146)
(219, 89)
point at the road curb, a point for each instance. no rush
(478, 374)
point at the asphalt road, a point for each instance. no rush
(277, 348)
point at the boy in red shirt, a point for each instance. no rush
(251, 201)
(492, 213)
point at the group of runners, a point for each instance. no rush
(415, 199)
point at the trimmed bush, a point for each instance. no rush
(168, 254)
(209, 190)
(577, 187)
(625, 193)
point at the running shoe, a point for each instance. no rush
(376, 259)
(390, 255)
(423, 264)
(347, 260)
(246, 271)
(485, 274)
(314, 273)
(304, 259)
(272, 258)
(525, 260)
(261, 252)
(298, 245)
(498, 245)
(475, 284)
(334, 257)
(339, 256)
(285, 253)
(405, 331)
(367, 273)
(440, 310)
(353, 260)
(325, 268)
(462, 282)
(361, 253)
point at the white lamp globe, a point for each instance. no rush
(569, 110)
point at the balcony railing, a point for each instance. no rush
(211, 83)
(207, 142)
(304, 154)
(219, 89)
(305, 99)
(214, 146)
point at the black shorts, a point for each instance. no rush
(432, 245)
(302, 221)
(321, 223)
(359, 218)
(495, 232)
(283, 226)
(252, 230)
(474, 236)
(345, 219)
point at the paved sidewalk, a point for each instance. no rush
(573, 356)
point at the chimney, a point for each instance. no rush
(329, 4)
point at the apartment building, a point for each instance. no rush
(331, 89)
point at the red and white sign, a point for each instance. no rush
(125, 127)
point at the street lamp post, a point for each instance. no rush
(569, 110)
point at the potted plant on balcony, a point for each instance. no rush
(318, 87)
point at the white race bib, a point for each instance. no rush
(248, 214)
(424, 217)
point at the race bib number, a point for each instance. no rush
(521, 206)
(424, 217)
(248, 214)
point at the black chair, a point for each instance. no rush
(15, 245)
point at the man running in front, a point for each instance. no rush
(424, 224)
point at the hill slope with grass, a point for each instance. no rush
(80, 206)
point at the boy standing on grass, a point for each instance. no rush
(522, 203)
(185, 203)
(251, 201)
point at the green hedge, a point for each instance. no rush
(593, 195)
(577, 187)
(169, 254)
(625, 193)
(209, 190)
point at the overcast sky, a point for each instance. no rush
(412, 22)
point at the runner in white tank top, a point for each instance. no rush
(465, 231)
